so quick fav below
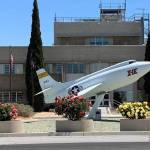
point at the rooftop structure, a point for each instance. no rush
(112, 11)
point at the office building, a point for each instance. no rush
(82, 46)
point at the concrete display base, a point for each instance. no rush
(135, 125)
(14, 126)
(74, 126)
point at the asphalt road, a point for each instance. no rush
(80, 146)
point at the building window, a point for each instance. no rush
(6, 69)
(59, 68)
(130, 95)
(99, 41)
(82, 68)
(5, 96)
(17, 96)
(49, 68)
(75, 68)
(16, 69)
(97, 66)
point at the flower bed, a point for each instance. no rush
(71, 107)
(8, 124)
(8, 112)
(74, 109)
(136, 113)
(134, 110)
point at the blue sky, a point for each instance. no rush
(15, 16)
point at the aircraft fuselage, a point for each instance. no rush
(102, 81)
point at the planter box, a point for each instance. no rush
(14, 126)
(74, 126)
(135, 125)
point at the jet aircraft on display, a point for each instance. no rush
(97, 83)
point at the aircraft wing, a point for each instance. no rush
(89, 89)
(43, 91)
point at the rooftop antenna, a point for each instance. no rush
(110, 3)
(125, 4)
(55, 18)
(100, 3)
(142, 10)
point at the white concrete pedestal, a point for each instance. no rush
(74, 126)
(135, 125)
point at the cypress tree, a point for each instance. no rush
(34, 61)
(147, 76)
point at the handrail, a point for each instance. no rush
(112, 5)
(135, 17)
(116, 102)
(76, 19)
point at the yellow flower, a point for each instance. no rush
(145, 103)
(128, 113)
(134, 109)
(120, 106)
(123, 113)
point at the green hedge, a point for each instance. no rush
(24, 110)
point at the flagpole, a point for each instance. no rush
(10, 74)
(62, 73)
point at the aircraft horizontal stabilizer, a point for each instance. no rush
(43, 91)
(89, 89)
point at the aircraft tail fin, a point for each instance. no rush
(45, 80)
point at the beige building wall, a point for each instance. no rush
(80, 53)
(89, 54)
(96, 29)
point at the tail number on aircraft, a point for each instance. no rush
(132, 72)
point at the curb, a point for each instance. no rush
(98, 133)
(75, 134)
(22, 134)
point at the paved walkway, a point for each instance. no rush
(44, 122)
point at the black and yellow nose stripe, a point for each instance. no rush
(42, 75)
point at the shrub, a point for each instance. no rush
(24, 110)
(71, 107)
(8, 112)
(134, 110)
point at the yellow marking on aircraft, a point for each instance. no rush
(42, 75)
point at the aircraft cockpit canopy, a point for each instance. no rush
(132, 61)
